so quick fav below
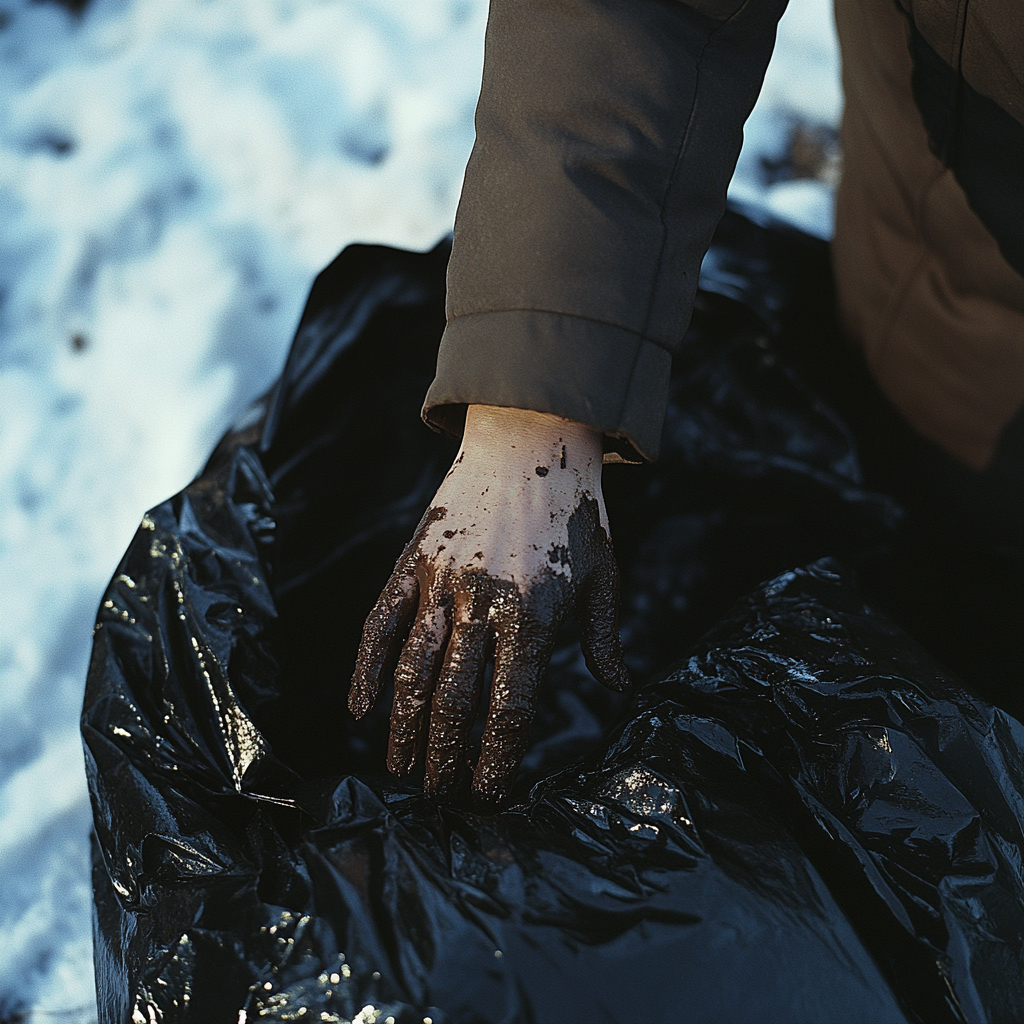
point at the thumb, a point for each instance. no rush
(597, 605)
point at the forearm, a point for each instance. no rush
(607, 132)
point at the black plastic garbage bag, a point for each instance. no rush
(806, 819)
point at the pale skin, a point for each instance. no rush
(516, 535)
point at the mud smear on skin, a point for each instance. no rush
(440, 626)
(378, 654)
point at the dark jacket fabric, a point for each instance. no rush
(607, 133)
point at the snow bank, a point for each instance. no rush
(172, 176)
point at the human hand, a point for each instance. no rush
(516, 534)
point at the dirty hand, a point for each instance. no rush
(516, 534)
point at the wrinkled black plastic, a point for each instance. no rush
(806, 819)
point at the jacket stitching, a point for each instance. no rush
(666, 346)
(683, 145)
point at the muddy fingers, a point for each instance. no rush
(382, 633)
(517, 535)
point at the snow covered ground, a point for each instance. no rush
(173, 173)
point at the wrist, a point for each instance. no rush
(536, 440)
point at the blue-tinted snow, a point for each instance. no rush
(173, 174)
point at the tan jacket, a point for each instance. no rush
(923, 285)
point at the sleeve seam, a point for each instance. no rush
(568, 316)
(681, 152)
(676, 165)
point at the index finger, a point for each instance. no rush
(382, 630)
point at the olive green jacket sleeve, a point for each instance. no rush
(607, 132)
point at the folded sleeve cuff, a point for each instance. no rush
(596, 373)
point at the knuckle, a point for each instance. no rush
(467, 612)
(464, 655)
(513, 715)
(452, 702)
(404, 735)
(410, 682)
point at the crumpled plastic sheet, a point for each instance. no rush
(807, 818)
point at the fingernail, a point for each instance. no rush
(401, 764)
(358, 704)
